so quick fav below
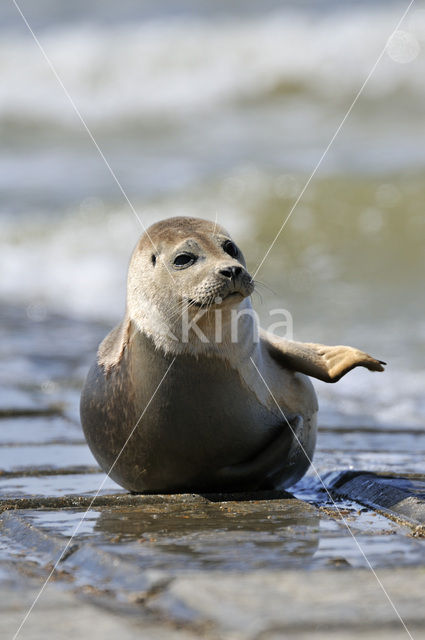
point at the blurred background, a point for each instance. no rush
(219, 109)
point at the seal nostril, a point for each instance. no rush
(231, 272)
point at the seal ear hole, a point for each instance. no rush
(153, 258)
(231, 249)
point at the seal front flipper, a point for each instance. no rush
(326, 363)
(271, 467)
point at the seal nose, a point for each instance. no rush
(231, 272)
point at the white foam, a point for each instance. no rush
(174, 68)
(77, 263)
(395, 398)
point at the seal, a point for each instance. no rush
(187, 393)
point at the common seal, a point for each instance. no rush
(204, 415)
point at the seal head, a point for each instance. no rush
(179, 267)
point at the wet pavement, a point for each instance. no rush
(268, 565)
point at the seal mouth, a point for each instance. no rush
(231, 292)
(217, 301)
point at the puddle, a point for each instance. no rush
(236, 536)
(178, 537)
(63, 522)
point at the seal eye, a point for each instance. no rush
(183, 260)
(230, 248)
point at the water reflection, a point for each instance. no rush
(239, 536)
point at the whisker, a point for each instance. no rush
(259, 295)
(263, 284)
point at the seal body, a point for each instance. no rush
(166, 409)
(202, 417)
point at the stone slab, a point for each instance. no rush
(39, 430)
(180, 533)
(43, 457)
(121, 498)
(375, 461)
(283, 604)
(174, 535)
(396, 429)
(403, 498)
(19, 402)
(343, 634)
(17, 488)
(61, 615)
(368, 441)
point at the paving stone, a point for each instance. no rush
(176, 534)
(221, 566)
(45, 457)
(198, 536)
(16, 402)
(89, 566)
(372, 441)
(377, 461)
(378, 551)
(173, 536)
(57, 485)
(342, 634)
(285, 602)
(121, 498)
(39, 430)
(402, 497)
(397, 429)
(60, 615)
